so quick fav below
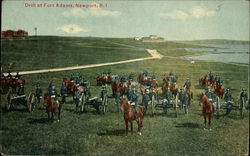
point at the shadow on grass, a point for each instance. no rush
(168, 115)
(38, 121)
(119, 132)
(188, 125)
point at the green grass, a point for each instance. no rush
(94, 134)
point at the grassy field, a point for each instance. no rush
(90, 133)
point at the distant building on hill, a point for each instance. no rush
(153, 38)
(11, 34)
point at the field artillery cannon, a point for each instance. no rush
(100, 104)
(227, 107)
(14, 99)
(166, 105)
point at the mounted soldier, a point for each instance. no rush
(17, 76)
(228, 96)
(53, 93)
(72, 77)
(50, 87)
(63, 92)
(134, 99)
(211, 96)
(187, 84)
(210, 75)
(38, 93)
(9, 76)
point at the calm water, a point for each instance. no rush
(233, 53)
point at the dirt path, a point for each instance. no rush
(154, 55)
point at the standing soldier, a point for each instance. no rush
(64, 92)
(184, 100)
(20, 90)
(38, 93)
(118, 99)
(243, 97)
(228, 96)
(146, 99)
(168, 96)
(181, 97)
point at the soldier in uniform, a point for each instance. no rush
(134, 99)
(17, 76)
(145, 73)
(149, 82)
(53, 92)
(228, 96)
(38, 93)
(118, 99)
(88, 93)
(20, 90)
(72, 78)
(146, 99)
(181, 97)
(153, 77)
(9, 75)
(187, 84)
(50, 87)
(210, 95)
(168, 96)
(210, 75)
(64, 92)
(243, 96)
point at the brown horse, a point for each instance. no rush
(71, 87)
(190, 95)
(142, 79)
(7, 83)
(204, 81)
(165, 87)
(130, 115)
(207, 109)
(219, 90)
(52, 107)
(122, 87)
(174, 89)
(114, 86)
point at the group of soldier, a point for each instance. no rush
(217, 78)
(9, 76)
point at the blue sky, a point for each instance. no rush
(173, 20)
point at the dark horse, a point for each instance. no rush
(207, 109)
(52, 107)
(130, 115)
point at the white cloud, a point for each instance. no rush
(194, 12)
(198, 12)
(177, 14)
(71, 29)
(91, 12)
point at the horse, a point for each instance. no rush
(142, 79)
(207, 109)
(204, 81)
(174, 89)
(52, 107)
(165, 87)
(114, 86)
(190, 95)
(103, 79)
(122, 87)
(219, 90)
(71, 87)
(7, 83)
(130, 115)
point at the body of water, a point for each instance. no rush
(232, 53)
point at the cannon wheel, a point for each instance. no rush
(31, 101)
(242, 107)
(8, 100)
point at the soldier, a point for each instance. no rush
(183, 99)
(104, 91)
(145, 73)
(153, 77)
(38, 93)
(149, 82)
(50, 87)
(118, 99)
(210, 75)
(64, 92)
(168, 96)
(228, 96)
(17, 76)
(72, 78)
(174, 79)
(9, 75)
(187, 84)
(181, 94)
(53, 92)
(210, 95)
(243, 96)
(146, 99)
(129, 93)
(134, 99)
(88, 93)
(20, 90)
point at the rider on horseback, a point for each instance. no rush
(53, 92)
(187, 84)
(134, 99)
(38, 93)
(210, 75)
(211, 96)
(64, 92)
(72, 77)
